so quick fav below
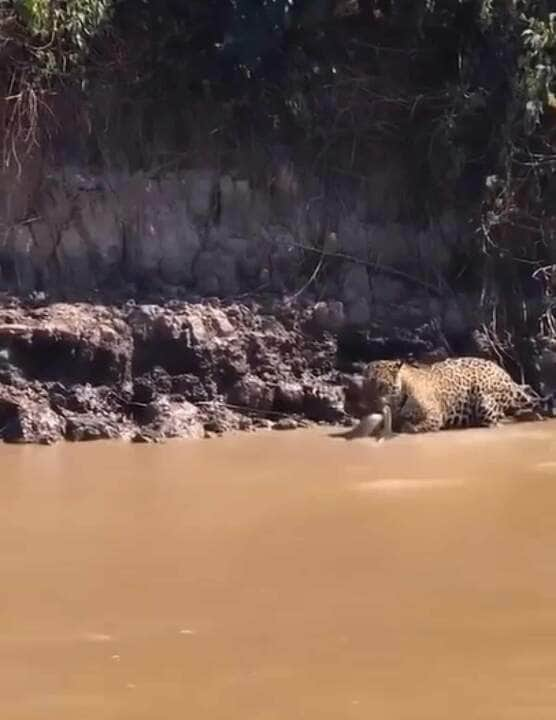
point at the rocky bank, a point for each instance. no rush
(146, 372)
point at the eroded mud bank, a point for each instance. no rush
(149, 372)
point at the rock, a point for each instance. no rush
(143, 391)
(286, 424)
(329, 316)
(142, 437)
(221, 326)
(26, 417)
(169, 419)
(252, 393)
(215, 427)
(324, 403)
(81, 399)
(245, 423)
(289, 397)
(262, 423)
(88, 427)
(231, 363)
(77, 343)
(141, 319)
(197, 330)
(191, 388)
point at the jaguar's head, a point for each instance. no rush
(383, 384)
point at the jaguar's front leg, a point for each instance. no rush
(418, 416)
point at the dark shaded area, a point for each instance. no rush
(174, 356)
(49, 358)
(365, 345)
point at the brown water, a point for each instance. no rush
(281, 576)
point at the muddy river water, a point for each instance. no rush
(280, 576)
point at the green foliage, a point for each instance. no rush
(464, 86)
(537, 68)
(59, 31)
(76, 18)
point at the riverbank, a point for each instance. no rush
(147, 372)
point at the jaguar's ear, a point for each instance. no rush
(398, 364)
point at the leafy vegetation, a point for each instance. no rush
(467, 89)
